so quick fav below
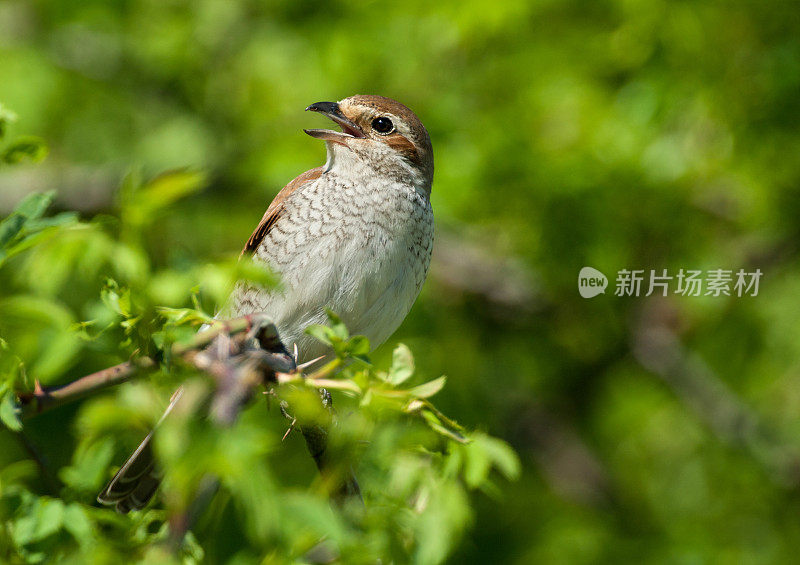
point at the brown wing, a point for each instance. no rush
(276, 207)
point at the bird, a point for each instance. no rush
(353, 236)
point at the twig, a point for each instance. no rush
(266, 331)
(46, 398)
(42, 399)
(241, 355)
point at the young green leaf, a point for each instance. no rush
(10, 227)
(321, 333)
(336, 324)
(78, 523)
(402, 365)
(358, 345)
(44, 519)
(116, 298)
(35, 205)
(89, 466)
(501, 455)
(437, 425)
(428, 389)
(9, 411)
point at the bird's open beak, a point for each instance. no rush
(332, 110)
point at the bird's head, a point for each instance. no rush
(380, 131)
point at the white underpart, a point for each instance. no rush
(358, 240)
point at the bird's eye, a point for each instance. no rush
(382, 125)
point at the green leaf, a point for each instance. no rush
(485, 453)
(18, 471)
(89, 466)
(437, 425)
(44, 519)
(10, 364)
(116, 298)
(170, 187)
(446, 514)
(46, 344)
(9, 411)
(358, 345)
(37, 231)
(402, 365)
(49, 517)
(321, 333)
(10, 227)
(428, 389)
(336, 324)
(26, 227)
(35, 205)
(181, 316)
(62, 219)
(476, 466)
(362, 360)
(313, 514)
(141, 204)
(28, 147)
(502, 455)
(77, 523)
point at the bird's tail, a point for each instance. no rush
(135, 483)
(137, 480)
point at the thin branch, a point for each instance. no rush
(241, 355)
(266, 331)
(42, 399)
(46, 398)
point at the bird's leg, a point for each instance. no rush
(344, 484)
(316, 438)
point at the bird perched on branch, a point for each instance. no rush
(354, 235)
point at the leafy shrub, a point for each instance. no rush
(77, 295)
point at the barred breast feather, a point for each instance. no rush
(361, 249)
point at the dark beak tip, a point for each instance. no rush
(323, 107)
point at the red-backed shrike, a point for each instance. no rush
(354, 235)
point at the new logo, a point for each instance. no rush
(591, 282)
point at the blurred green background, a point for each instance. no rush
(616, 134)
